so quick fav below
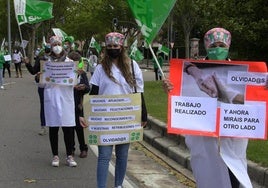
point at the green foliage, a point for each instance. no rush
(156, 103)
(156, 100)
(247, 20)
(257, 151)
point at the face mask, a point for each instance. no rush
(114, 53)
(217, 53)
(57, 49)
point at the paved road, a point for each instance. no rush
(26, 156)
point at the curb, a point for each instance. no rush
(174, 147)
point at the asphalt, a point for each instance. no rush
(26, 156)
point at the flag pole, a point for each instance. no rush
(9, 28)
(157, 63)
(22, 41)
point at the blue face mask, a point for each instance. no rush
(218, 53)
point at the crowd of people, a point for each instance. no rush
(115, 73)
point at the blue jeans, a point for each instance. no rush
(104, 157)
(1, 77)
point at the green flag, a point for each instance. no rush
(3, 45)
(32, 11)
(163, 49)
(58, 32)
(135, 53)
(94, 44)
(150, 15)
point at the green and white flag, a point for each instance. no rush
(3, 45)
(150, 15)
(94, 44)
(135, 53)
(58, 32)
(32, 11)
(163, 49)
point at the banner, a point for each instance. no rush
(113, 119)
(94, 44)
(61, 73)
(150, 15)
(135, 53)
(32, 11)
(218, 98)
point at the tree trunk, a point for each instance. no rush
(187, 45)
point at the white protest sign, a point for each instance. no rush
(62, 73)
(7, 57)
(246, 78)
(193, 113)
(247, 120)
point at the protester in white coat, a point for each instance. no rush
(59, 108)
(214, 166)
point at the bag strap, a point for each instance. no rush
(133, 73)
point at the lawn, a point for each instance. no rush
(156, 102)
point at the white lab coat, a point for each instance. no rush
(59, 105)
(210, 165)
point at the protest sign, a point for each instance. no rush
(7, 57)
(62, 73)
(238, 109)
(113, 119)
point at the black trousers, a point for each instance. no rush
(6, 66)
(80, 135)
(68, 133)
(234, 181)
(156, 73)
(42, 112)
(18, 69)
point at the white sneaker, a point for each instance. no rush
(55, 161)
(70, 161)
(42, 131)
(2, 87)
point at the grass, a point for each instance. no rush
(156, 103)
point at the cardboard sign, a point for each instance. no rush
(61, 73)
(237, 108)
(7, 57)
(113, 119)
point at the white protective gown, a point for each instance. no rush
(210, 167)
(59, 105)
(108, 87)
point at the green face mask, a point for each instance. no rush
(217, 53)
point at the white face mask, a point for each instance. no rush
(57, 49)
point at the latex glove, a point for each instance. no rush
(225, 94)
(205, 82)
(208, 86)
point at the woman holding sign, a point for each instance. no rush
(216, 164)
(116, 74)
